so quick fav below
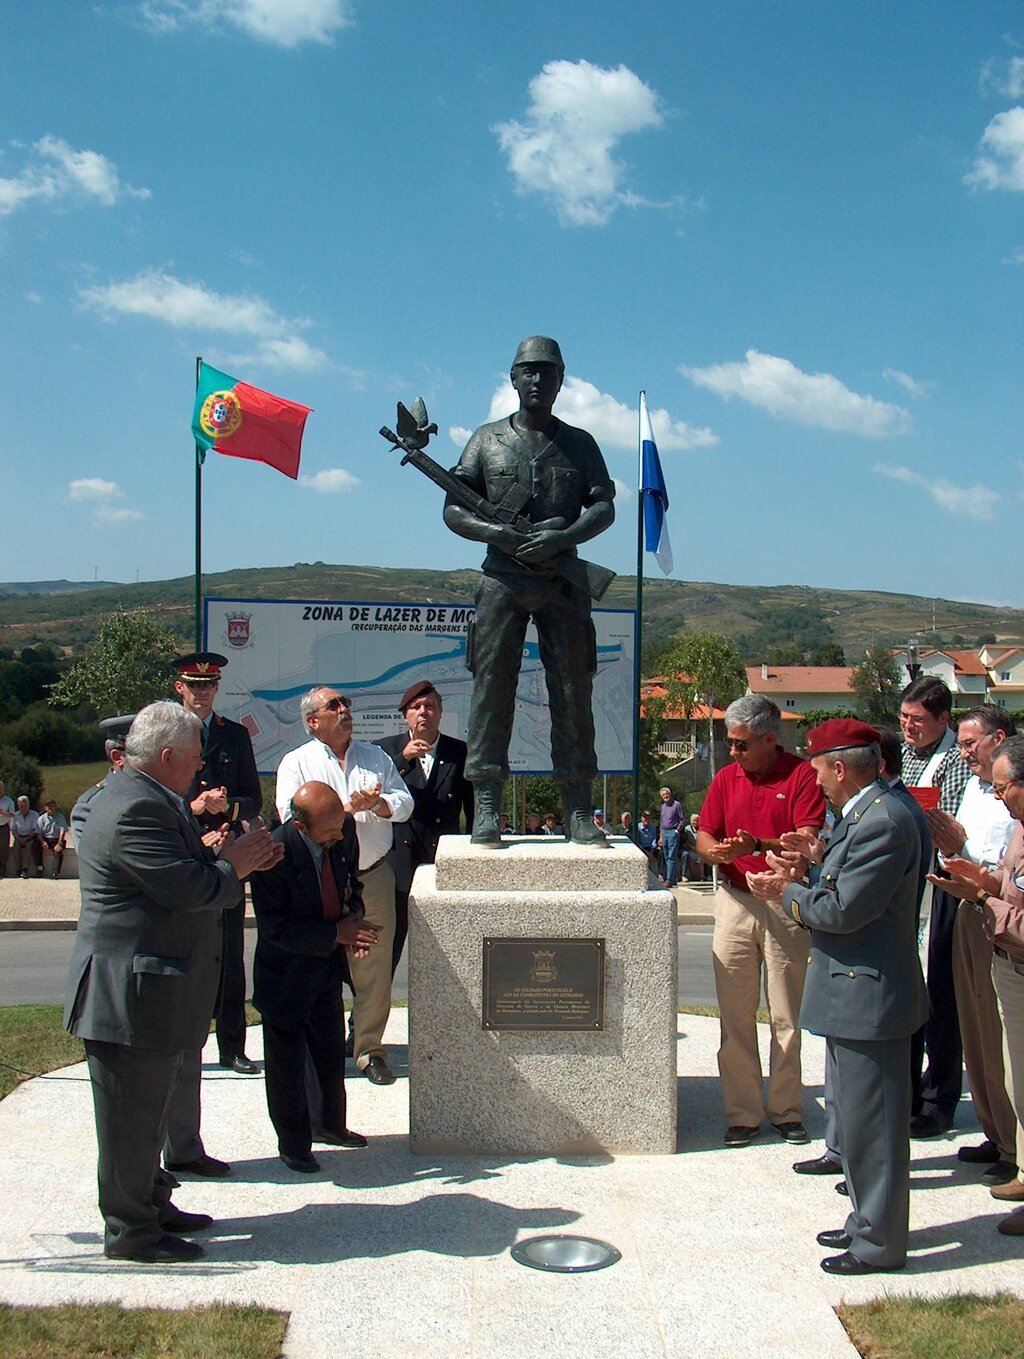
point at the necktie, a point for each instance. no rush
(329, 890)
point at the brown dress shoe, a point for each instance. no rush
(1012, 1225)
(1013, 1191)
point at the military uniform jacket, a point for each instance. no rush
(864, 979)
(147, 958)
(564, 478)
(296, 948)
(437, 803)
(229, 763)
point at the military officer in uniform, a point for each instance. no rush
(864, 989)
(433, 767)
(557, 478)
(224, 793)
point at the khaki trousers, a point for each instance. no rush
(981, 1031)
(1008, 978)
(751, 935)
(371, 976)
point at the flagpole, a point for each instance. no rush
(638, 637)
(199, 529)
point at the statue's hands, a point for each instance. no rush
(542, 546)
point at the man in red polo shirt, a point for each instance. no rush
(750, 804)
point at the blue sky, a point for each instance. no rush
(797, 226)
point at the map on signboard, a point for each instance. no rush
(279, 649)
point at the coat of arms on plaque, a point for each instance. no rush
(543, 969)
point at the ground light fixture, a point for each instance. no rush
(558, 1254)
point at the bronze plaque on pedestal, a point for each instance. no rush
(555, 984)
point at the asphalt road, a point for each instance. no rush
(34, 966)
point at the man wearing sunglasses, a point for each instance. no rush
(765, 793)
(373, 792)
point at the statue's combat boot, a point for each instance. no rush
(580, 826)
(487, 811)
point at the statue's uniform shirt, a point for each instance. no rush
(564, 477)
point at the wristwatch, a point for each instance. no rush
(979, 902)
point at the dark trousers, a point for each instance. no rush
(286, 1046)
(942, 1082)
(401, 926)
(131, 1092)
(231, 1019)
(565, 634)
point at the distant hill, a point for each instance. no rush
(51, 587)
(67, 614)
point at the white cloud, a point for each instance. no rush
(564, 147)
(331, 481)
(976, 502)
(283, 23)
(611, 423)
(920, 391)
(34, 297)
(1007, 81)
(186, 305)
(1003, 165)
(623, 493)
(459, 435)
(103, 497)
(779, 387)
(54, 170)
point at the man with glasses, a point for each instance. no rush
(765, 793)
(979, 833)
(373, 792)
(931, 760)
(998, 899)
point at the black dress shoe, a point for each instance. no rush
(835, 1240)
(346, 1138)
(930, 1123)
(207, 1166)
(242, 1065)
(378, 1071)
(820, 1165)
(847, 1264)
(792, 1132)
(165, 1250)
(985, 1153)
(305, 1165)
(174, 1219)
(843, 1188)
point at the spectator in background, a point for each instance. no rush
(7, 810)
(626, 825)
(931, 760)
(533, 826)
(28, 844)
(599, 818)
(53, 830)
(550, 825)
(647, 839)
(671, 822)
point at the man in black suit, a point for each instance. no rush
(224, 793)
(308, 911)
(433, 768)
(146, 967)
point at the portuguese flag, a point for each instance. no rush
(234, 418)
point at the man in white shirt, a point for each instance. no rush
(53, 828)
(28, 847)
(979, 833)
(6, 815)
(373, 792)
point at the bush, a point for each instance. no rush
(21, 775)
(49, 737)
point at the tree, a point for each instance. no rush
(21, 775)
(127, 666)
(827, 653)
(702, 668)
(876, 682)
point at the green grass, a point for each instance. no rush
(110, 1331)
(938, 1328)
(32, 1040)
(66, 783)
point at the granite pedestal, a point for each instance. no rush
(541, 1092)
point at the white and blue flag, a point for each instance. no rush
(653, 493)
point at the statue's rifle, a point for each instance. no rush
(588, 575)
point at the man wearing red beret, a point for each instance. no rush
(433, 766)
(864, 989)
